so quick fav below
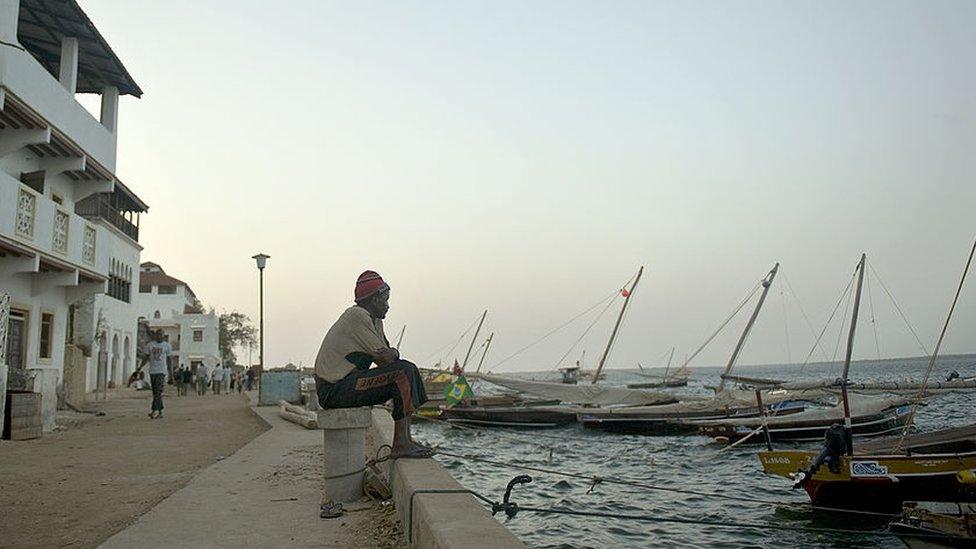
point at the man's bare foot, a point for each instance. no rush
(411, 450)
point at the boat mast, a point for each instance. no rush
(847, 358)
(473, 339)
(766, 283)
(668, 367)
(935, 353)
(616, 326)
(400, 339)
(483, 355)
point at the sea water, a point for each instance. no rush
(685, 462)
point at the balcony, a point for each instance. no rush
(24, 77)
(37, 222)
(99, 205)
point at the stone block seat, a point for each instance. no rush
(344, 442)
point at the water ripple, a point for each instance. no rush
(690, 463)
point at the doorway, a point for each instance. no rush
(17, 350)
(101, 383)
(115, 379)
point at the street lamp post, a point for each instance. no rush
(262, 260)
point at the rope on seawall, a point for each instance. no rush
(369, 464)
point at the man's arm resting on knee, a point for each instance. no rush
(385, 356)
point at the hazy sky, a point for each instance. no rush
(527, 157)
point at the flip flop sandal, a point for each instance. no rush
(332, 509)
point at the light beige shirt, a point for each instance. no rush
(354, 331)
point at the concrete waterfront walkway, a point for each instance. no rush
(266, 494)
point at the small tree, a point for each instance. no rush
(236, 330)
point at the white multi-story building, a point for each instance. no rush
(69, 250)
(170, 305)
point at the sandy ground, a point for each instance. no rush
(77, 486)
(265, 495)
(366, 524)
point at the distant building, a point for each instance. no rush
(69, 228)
(169, 304)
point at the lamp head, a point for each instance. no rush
(262, 260)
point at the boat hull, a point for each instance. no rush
(932, 524)
(885, 423)
(637, 425)
(665, 424)
(654, 385)
(878, 482)
(511, 416)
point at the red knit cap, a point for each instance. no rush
(368, 284)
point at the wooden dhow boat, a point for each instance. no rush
(518, 413)
(912, 387)
(870, 416)
(882, 475)
(930, 524)
(570, 396)
(677, 378)
(679, 418)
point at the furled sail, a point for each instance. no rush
(861, 406)
(722, 402)
(584, 394)
(909, 386)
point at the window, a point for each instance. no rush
(156, 314)
(34, 180)
(59, 240)
(26, 208)
(198, 335)
(119, 287)
(17, 347)
(57, 199)
(145, 289)
(69, 336)
(88, 245)
(47, 333)
(167, 290)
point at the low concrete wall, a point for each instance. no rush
(442, 521)
(45, 382)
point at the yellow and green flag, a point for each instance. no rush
(458, 392)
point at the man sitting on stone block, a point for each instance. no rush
(344, 379)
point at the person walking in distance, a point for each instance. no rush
(157, 354)
(227, 374)
(218, 378)
(178, 380)
(202, 380)
(187, 379)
